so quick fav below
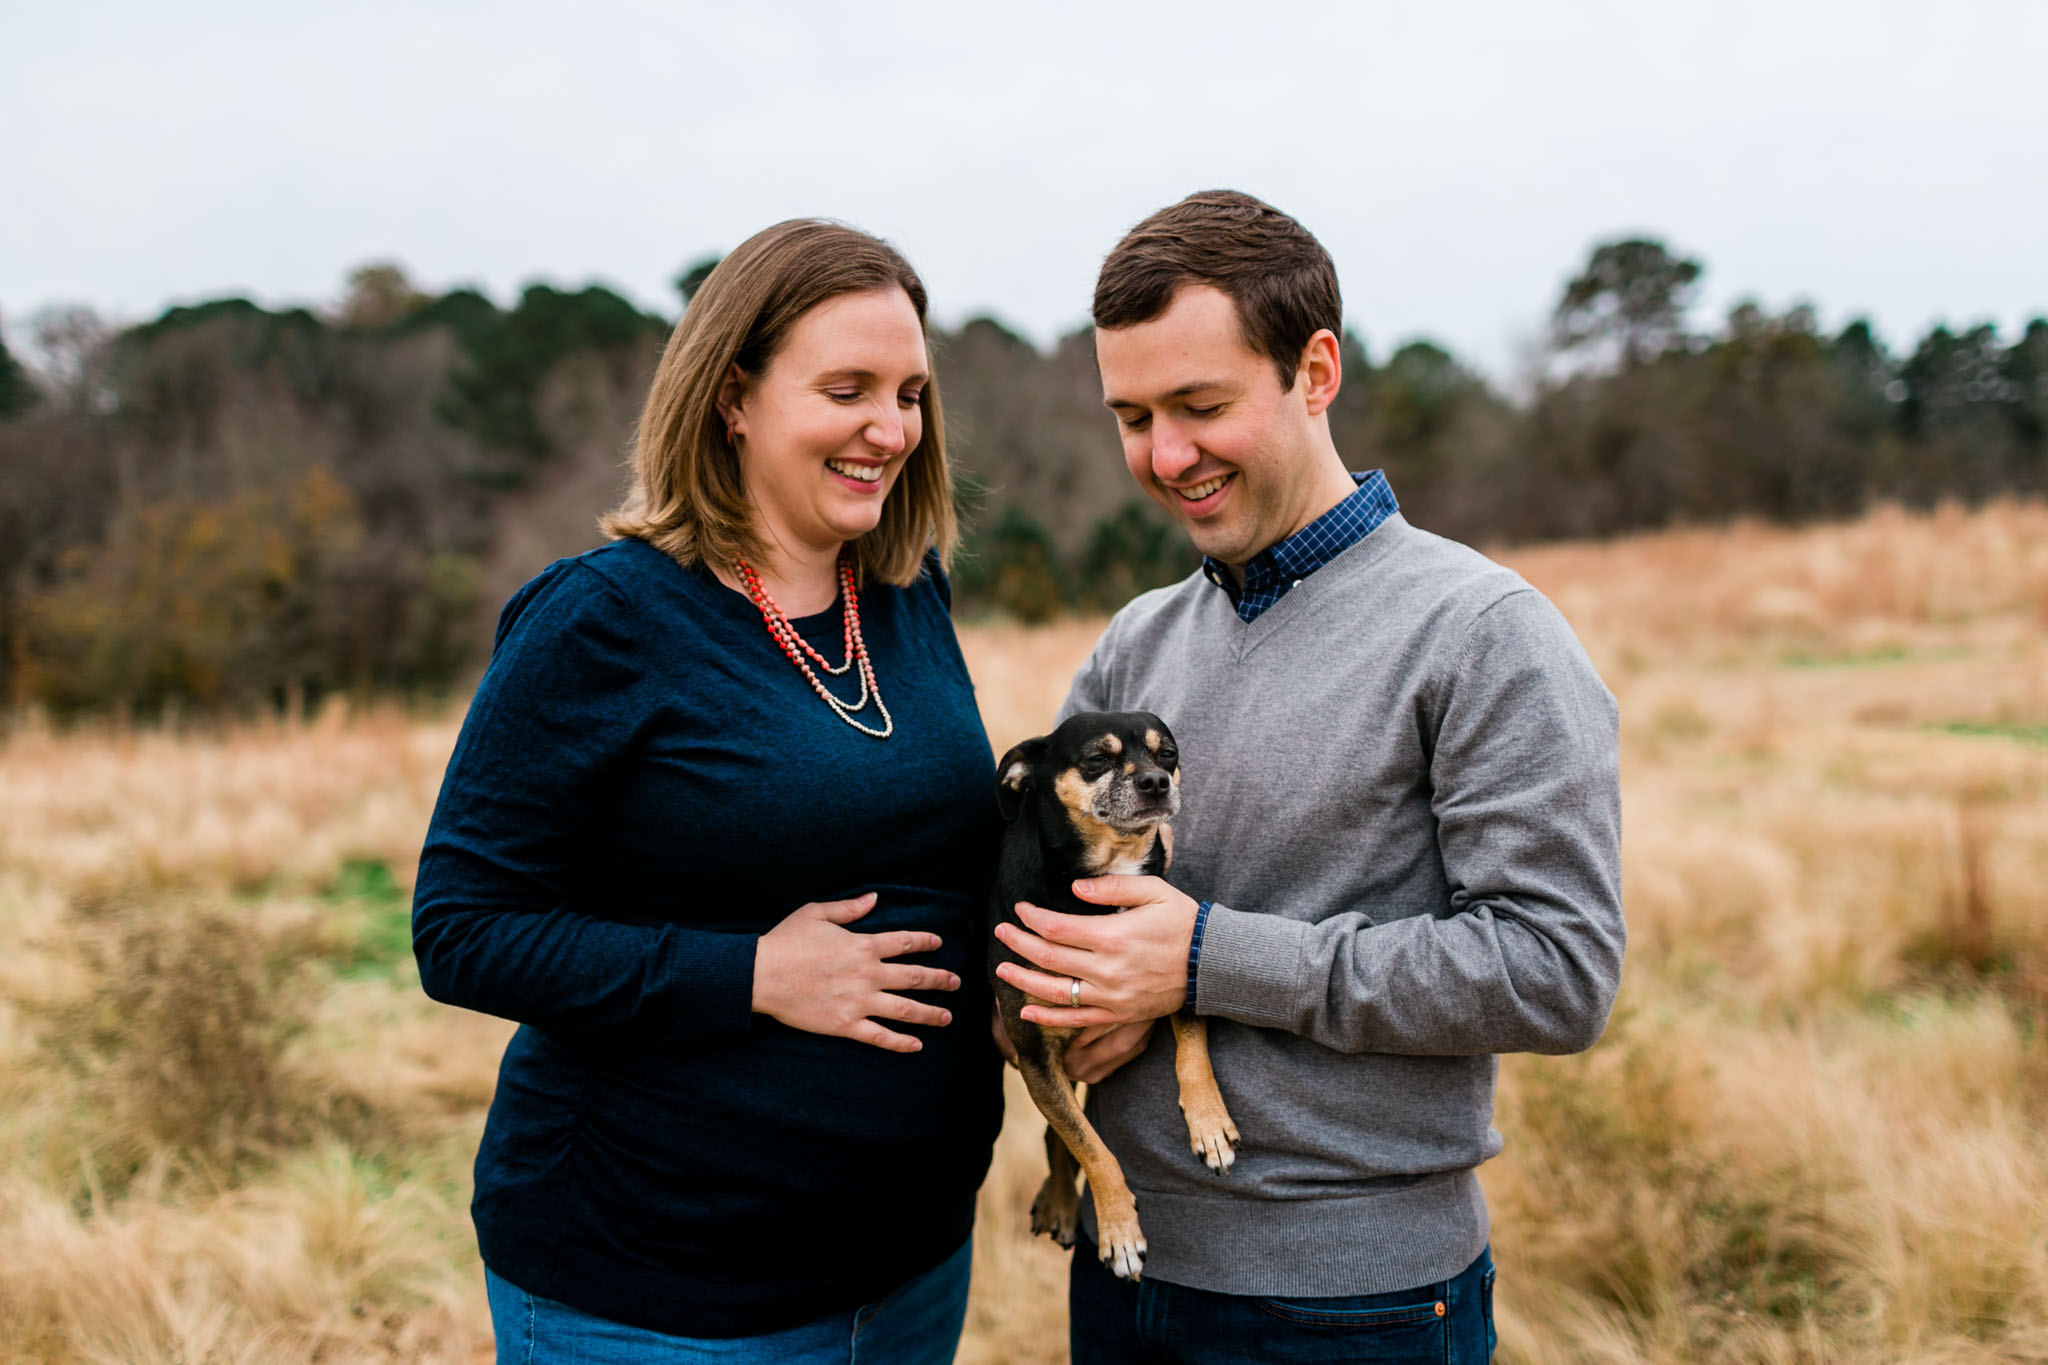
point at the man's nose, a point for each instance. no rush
(1173, 451)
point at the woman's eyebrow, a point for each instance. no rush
(919, 378)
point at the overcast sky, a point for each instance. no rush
(1458, 159)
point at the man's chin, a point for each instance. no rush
(1217, 545)
(1220, 538)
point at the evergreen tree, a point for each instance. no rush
(17, 391)
(1631, 296)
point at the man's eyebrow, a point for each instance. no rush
(1111, 401)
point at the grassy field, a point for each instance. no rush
(232, 1130)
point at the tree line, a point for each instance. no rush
(235, 507)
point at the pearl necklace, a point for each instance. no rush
(795, 647)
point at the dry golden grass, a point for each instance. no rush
(1813, 1133)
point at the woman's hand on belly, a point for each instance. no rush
(813, 973)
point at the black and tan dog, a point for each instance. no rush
(1092, 799)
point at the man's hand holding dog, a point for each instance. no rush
(1094, 1054)
(1133, 966)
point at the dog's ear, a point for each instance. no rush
(1013, 775)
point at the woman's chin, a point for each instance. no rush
(851, 523)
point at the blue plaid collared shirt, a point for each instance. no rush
(1279, 568)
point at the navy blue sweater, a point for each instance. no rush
(643, 787)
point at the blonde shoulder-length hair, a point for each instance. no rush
(688, 496)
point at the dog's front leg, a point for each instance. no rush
(1210, 1132)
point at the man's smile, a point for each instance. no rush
(1205, 490)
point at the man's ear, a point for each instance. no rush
(1321, 370)
(1013, 775)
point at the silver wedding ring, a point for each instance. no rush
(1074, 995)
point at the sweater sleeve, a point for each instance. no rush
(1525, 776)
(497, 923)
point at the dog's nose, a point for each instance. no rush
(1154, 783)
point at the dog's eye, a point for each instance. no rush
(1092, 768)
(1169, 757)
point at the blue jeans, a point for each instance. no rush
(1115, 1322)
(917, 1324)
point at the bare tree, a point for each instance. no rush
(70, 347)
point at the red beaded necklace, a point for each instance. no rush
(796, 647)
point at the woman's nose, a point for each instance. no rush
(885, 433)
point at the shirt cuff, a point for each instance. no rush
(1251, 967)
(1187, 1006)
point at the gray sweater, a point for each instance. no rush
(1400, 789)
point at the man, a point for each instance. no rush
(1398, 853)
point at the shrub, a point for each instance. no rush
(1129, 553)
(255, 599)
(177, 1040)
(1014, 568)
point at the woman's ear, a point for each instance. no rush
(732, 394)
(1013, 775)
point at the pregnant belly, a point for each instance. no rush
(731, 1150)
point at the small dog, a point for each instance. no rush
(1092, 799)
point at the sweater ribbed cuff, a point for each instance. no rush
(1251, 966)
(1187, 1006)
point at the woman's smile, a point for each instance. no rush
(864, 475)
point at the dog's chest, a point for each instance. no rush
(1124, 865)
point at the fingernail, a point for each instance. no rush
(1084, 884)
(952, 982)
(945, 1017)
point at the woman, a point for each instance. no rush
(713, 834)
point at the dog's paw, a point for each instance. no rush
(1057, 1212)
(1213, 1137)
(1123, 1246)
(1216, 1149)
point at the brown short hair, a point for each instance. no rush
(687, 496)
(1279, 276)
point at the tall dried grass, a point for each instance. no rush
(231, 1129)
